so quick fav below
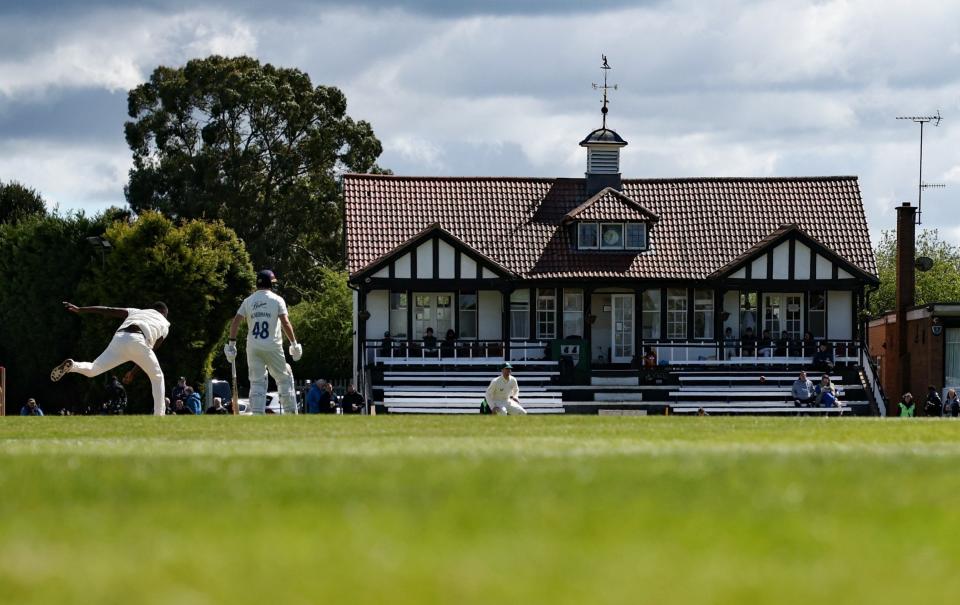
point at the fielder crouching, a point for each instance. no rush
(503, 394)
(266, 314)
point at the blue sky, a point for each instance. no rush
(725, 88)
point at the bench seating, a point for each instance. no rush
(460, 400)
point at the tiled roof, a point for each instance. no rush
(609, 204)
(704, 222)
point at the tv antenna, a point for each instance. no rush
(606, 68)
(921, 120)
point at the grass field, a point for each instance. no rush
(283, 510)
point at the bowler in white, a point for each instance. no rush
(266, 315)
(141, 333)
(503, 394)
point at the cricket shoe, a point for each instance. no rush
(61, 370)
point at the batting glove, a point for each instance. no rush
(230, 350)
(296, 351)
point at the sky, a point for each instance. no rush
(503, 87)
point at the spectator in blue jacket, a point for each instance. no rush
(314, 395)
(193, 401)
(31, 408)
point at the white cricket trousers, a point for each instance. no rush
(509, 407)
(261, 361)
(128, 346)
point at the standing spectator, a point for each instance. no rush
(803, 391)
(826, 393)
(328, 401)
(386, 345)
(217, 407)
(314, 395)
(823, 359)
(31, 408)
(951, 405)
(178, 391)
(933, 405)
(193, 401)
(907, 406)
(352, 401)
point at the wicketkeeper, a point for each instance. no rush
(141, 333)
(266, 314)
(503, 394)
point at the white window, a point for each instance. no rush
(703, 314)
(651, 314)
(468, 316)
(636, 236)
(434, 311)
(520, 315)
(587, 236)
(611, 236)
(951, 366)
(547, 314)
(398, 314)
(677, 313)
(572, 313)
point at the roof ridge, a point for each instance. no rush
(690, 179)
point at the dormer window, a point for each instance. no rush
(611, 236)
(588, 236)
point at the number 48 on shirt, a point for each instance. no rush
(261, 329)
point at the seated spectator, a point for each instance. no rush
(180, 409)
(906, 406)
(823, 359)
(803, 391)
(933, 405)
(116, 396)
(192, 401)
(766, 344)
(429, 340)
(386, 345)
(826, 393)
(807, 346)
(783, 344)
(352, 401)
(328, 404)
(951, 405)
(217, 407)
(749, 342)
(449, 343)
(729, 343)
(31, 408)
(168, 409)
(650, 358)
(178, 391)
(314, 397)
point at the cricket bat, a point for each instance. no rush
(235, 403)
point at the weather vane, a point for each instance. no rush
(921, 120)
(606, 68)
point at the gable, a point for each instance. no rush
(789, 253)
(610, 205)
(433, 254)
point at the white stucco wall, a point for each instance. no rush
(839, 314)
(489, 314)
(801, 266)
(447, 259)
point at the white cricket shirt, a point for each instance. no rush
(501, 390)
(150, 321)
(262, 310)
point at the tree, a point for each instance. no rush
(17, 202)
(323, 324)
(199, 268)
(940, 284)
(256, 146)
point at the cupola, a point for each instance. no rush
(603, 147)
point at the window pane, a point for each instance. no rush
(676, 313)
(636, 235)
(468, 316)
(587, 235)
(546, 314)
(952, 361)
(520, 314)
(398, 315)
(611, 236)
(651, 314)
(703, 314)
(572, 313)
(748, 313)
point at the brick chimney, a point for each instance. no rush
(906, 298)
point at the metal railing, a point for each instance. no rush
(748, 351)
(453, 352)
(870, 373)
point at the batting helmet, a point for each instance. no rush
(266, 279)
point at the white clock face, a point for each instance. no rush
(611, 237)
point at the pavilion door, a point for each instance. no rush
(621, 350)
(783, 312)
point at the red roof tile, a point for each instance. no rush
(705, 223)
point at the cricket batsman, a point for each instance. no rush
(266, 314)
(503, 394)
(141, 333)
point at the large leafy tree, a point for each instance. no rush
(256, 146)
(18, 202)
(940, 284)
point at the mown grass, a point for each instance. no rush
(478, 510)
